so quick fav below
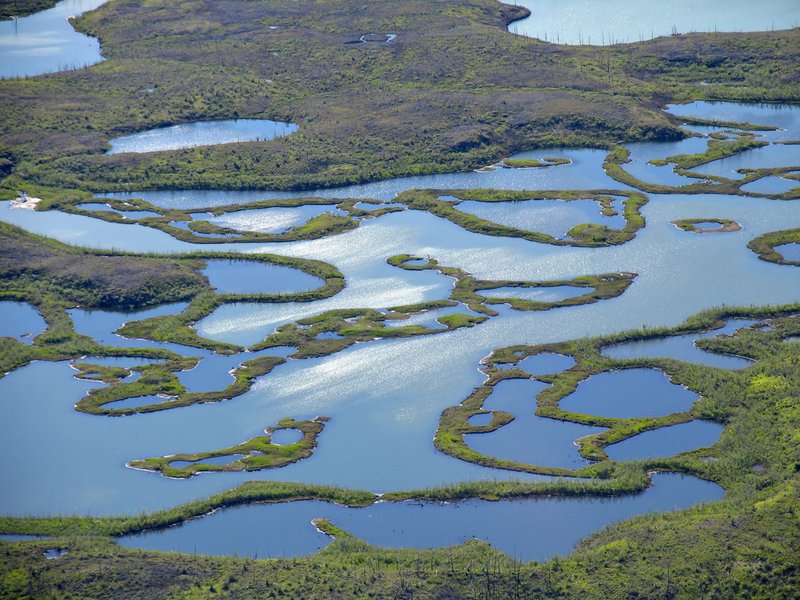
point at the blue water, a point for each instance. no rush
(271, 220)
(553, 217)
(202, 133)
(20, 321)
(666, 441)
(629, 393)
(774, 155)
(385, 395)
(585, 172)
(525, 529)
(249, 277)
(286, 437)
(771, 185)
(784, 116)
(528, 438)
(481, 419)
(45, 42)
(789, 251)
(101, 325)
(545, 363)
(707, 225)
(682, 347)
(642, 153)
(555, 293)
(621, 21)
(136, 402)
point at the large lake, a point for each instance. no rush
(385, 397)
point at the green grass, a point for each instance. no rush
(253, 455)
(725, 225)
(767, 246)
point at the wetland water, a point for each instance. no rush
(46, 42)
(387, 395)
(202, 133)
(524, 529)
(619, 21)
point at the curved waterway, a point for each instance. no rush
(45, 42)
(524, 529)
(384, 397)
(620, 21)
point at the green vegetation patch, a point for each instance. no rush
(253, 455)
(725, 225)
(767, 246)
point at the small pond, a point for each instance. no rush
(428, 318)
(250, 277)
(529, 438)
(629, 393)
(128, 214)
(552, 217)
(682, 347)
(286, 437)
(545, 363)
(789, 251)
(202, 133)
(771, 185)
(666, 441)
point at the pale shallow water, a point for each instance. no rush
(201, 133)
(622, 21)
(46, 42)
